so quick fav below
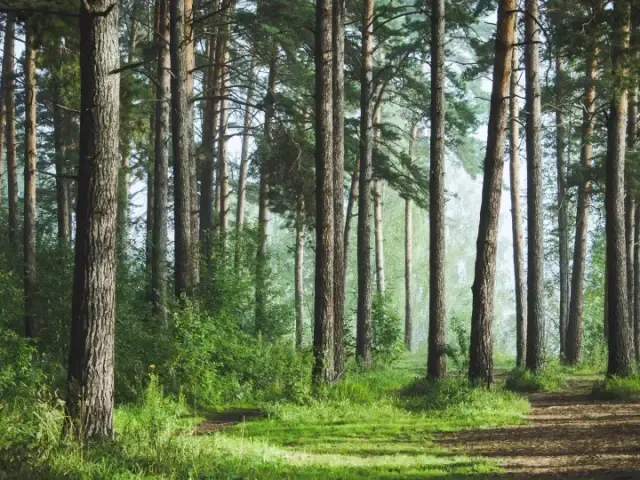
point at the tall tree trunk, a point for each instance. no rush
(244, 154)
(363, 322)
(223, 176)
(10, 129)
(561, 166)
(30, 286)
(323, 333)
(299, 272)
(91, 352)
(408, 251)
(181, 151)
(481, 348)
(437, 360)
(263, 201)
(620, 362)
(516, 216)
(636, 288)
(576, 305)
(535, 263)
(3, 114)
(377, 209)
(351, 202)
(161, 168)
(338, 183)
(62, 184)
(630, 211)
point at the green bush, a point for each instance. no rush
(523, 380)
(387, 338)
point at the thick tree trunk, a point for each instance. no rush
(620, 362)
(62, 184)
(244, 154)
(299, 272)
(437, 360)
(30, 286)
(323, 331)
(481, 348)
(408, 251)
(535, 259)
(338, 183)
(161, 169)
(561, 166)
(576, 305)
(263, 202)
(363, 322)
(181, 151)
(10, 129)
(516, 216)
(91, 352)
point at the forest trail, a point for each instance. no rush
(569, 435)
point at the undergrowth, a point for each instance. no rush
(618, 388)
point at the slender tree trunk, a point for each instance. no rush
(181, 151)
(223, 175)
(363, 322)
(161, 169)
(10, 129)
(620, 362)
(630, 211)
(561, 166)
(576, 305)
(408, 251)
(263, 202)
(535, 263)
(516, 216)
(338, 183)
(323, 331)
(244, 155)
(377, 209)
(207, 171)
(437, 360)
(30, 286)
(150, 198)
(91, 352)
(62, 184)
(636, 288)
(299, 270)
(481, 348)
(3, 114)
(351, 202)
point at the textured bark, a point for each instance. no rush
(516, 216)
(481, 349)
(408, 252)
(299, 272)
(351, 203)
(535, 258)
(636, 288)
(91, 352)
(561, 167)
(161, 169)
(363, 322)
(323, 331)
(620, 362)
(30, 286)
(62, 184)
(630, 211)
(10, 129)
(181, 151)
(437, 360)
(377, 208)
(3, 114)
(576, 305)
(338, 183)
(244, 154)
(223, 175)
(149, 210)
(263, 202)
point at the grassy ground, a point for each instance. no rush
(372, 425)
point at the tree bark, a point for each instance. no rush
(223, 176)
(481, 348)
(630, 212)
(3, 111)
(10, 129)
(377, 209)
(437, 360)
(338, 183)
(535, 260)
(62, 184)
(363, 322)
(408, 251)
(299, 272)
(91, 353)
(636, 288)
(516, 216)
(561, 167)
(161, 169)
(351, 202)
(323, 331)
(181, 151)
(576, 305)
(244, 154)
(30, 285)
(620, 362)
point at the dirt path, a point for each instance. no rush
(570, 435)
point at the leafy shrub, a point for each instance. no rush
(523, 380)
(387, 338)
(459, 352)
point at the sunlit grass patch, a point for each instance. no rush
(618, 388)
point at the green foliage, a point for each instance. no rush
(387, 339)
(617, 388)
(553, 377)
(459, 352)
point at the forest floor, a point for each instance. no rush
(569, 434)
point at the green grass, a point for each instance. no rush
(378, 424)
(617, 388)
